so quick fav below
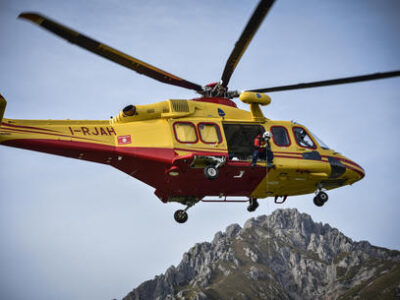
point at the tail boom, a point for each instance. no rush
(87, 140)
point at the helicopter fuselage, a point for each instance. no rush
(167, 145)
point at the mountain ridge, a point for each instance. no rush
(285, 255)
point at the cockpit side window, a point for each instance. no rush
(280, 136)
(303, 139)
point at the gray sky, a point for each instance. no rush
(77, 230)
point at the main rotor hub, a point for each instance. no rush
(214, 89)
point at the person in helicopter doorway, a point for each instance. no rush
(262, 149)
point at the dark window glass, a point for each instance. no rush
(303, 138)
(312, 155)
(240, 139)
(280, 136)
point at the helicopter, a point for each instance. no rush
(190, 149)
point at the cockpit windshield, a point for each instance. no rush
(305, 141)
(320, 142)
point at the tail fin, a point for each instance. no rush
(3, 104)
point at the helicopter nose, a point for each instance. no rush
(354, 171)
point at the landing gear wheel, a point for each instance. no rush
(180, 216)
(323, 196)
(211, 172)
(318, 202)
(320, 199)
(252, 205)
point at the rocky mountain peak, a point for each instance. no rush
(285, 255)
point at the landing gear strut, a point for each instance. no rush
(253, 204)
(320, 198)
(181, 215)
(211, 170)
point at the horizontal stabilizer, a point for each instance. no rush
(3, 104)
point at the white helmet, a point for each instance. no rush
(267, 135)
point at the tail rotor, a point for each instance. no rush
(3, 104)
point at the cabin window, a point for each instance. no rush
(280, 136)
(303, 139)
(185, 132)
(240, 140)
(209, 133)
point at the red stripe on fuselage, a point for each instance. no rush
(349, 162)
(287, 156)
(201, 152)
(323, 156)
(26, 127)
(360, 172)
(284, 152)
(45, 133)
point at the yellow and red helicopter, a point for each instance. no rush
(188, 150)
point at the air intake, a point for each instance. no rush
(179, 106)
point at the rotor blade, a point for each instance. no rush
(336, 81)
(109, 52)
(247, 35)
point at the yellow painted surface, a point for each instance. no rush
(178, 125)
(256, 98)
